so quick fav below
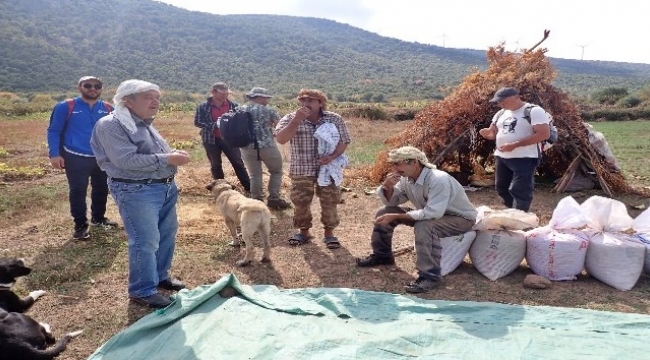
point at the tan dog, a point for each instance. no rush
(250, 214)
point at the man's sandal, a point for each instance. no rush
(332, 242)
(299, 239)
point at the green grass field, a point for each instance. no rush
(630, 143)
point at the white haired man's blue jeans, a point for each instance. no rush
(148, 212)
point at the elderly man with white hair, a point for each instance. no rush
(442, 209)
(141, 166)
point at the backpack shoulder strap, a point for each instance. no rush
(70, 103)
(107, 106)
(499, 114)
(527, 111)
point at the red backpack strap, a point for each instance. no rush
(107, 106)
(70, 103)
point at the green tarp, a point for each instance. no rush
(328, 323)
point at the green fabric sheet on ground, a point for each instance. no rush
(265, 322)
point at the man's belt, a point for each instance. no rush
(166, 180)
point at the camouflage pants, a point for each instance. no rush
(302, 194)
(427, 238)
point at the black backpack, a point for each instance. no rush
(238, 129)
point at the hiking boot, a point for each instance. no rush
(81, 232)
(171, 284)
(155, 301)
(278, 204)
(103, 222)
(374, 260)
(421, 285)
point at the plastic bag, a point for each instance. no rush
(508, 219)
(557, 251)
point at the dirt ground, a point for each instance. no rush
(86, 281)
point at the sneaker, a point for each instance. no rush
(421, 285)
(171, 284)
(155, 301)
(103, 222)
(278, 204)
(374, 260)
(81, 232)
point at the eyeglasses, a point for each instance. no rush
(90, 86)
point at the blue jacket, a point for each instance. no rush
(76, 138)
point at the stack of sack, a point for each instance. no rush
(641, 226)
(454, 249)
(500, 243)
(613, 256)
(557, 251)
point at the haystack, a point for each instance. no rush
(447, 131)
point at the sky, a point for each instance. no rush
(607, 30)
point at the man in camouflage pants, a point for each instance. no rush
(298, 129)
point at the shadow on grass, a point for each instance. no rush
(62, 269)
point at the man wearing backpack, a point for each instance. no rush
(264, 120)
(518, 146)
(205, 118)
(68, 138)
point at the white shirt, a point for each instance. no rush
(512, 126)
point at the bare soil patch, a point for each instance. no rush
(86, 281)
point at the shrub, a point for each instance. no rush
(629, 101)
(609, 96)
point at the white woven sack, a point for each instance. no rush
(641, 228)
(556, 255)
(557, 251)
(615, 259)
(454, 249)
(507, 219)
(612, 257)
(497, 253)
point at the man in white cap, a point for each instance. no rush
(264, 118)
(68, 139)
(141, 168)
(518, 138)
(442, 210)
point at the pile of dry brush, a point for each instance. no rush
(447, 131)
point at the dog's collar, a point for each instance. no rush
(6, 286)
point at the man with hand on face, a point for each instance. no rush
(141, 168)
(442, 210)
(68, 139)
(298, 128)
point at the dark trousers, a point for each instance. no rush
(214, 151)
(78, 169)
(515, 181)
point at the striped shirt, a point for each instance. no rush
(304, 146)
(138, 156)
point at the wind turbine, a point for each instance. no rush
(582, 54)
(444, 36)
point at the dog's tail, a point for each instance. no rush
(31, 353)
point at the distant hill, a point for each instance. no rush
(48, 44)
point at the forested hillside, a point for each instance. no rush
(48, 44)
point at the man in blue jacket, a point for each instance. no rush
(68, 137)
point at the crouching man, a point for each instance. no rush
(442, 210)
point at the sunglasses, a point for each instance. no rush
(90, 86)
